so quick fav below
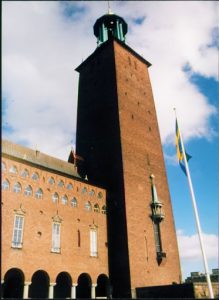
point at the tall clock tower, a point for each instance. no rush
(118, 138)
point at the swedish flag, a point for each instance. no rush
(179, 150)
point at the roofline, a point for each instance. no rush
(43, 167)
(103, 45)
(30, 156)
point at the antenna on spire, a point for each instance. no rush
(109, 9)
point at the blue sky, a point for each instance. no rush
(43, 42)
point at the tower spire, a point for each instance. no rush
(109, 9)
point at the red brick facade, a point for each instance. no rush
(119, 141)
(122, 149)
(76, 222)
(142, 156)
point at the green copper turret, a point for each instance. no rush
(156, 205)
(110, 25)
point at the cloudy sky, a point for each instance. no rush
(42, 44)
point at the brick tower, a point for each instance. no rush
(118, 137)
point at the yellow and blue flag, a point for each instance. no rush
(179, 150)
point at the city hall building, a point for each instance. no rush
(100, 224)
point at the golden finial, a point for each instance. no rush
(109, 9)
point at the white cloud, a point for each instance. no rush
(41, 48)
(190, 252)
(189, 246)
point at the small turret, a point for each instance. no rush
(110, 25)
(156, 205)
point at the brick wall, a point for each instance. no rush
(118, 136)
(37, 235)
(142, 155)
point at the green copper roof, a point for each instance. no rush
(110, 25)
(154, 191)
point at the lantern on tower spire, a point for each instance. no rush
(110, 25)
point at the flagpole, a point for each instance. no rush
(211, 294)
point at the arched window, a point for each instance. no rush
(51, 181)
(5, 185)
(64, 200)
(13, 170)
(96, 208)
(25, 173)
(88, 206)
(74, 202)
(35, 176)
(84, 190)
(3, 166)
(103, 210)
(28, 191)
(100, 195)
(17, 187)
(92, 193)
(61, 183)
(55, 198)
(70, 186)
(39, 194)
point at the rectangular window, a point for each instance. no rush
(18, 232)
(56, 237)
(157, 237)
(93, 243)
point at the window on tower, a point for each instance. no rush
(135, 65)
(79, 238)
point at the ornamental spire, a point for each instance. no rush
(109, 9)
(156, 205)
